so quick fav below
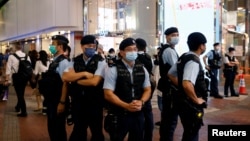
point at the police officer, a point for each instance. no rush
(188, 75)
(230, 70)
(86, 77)
(56, 99)
(146, 60)
(212, 61)
(167, 57)
(127, 88)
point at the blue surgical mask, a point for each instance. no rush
(131, 56)
(89, 52)
(174, 40)
(52, 49)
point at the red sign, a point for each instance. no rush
(196, 5)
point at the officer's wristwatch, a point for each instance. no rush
(142, 103)
(62, 102)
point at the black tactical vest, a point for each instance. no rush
(200, 85)
(124, 85)
(50, 85)
(230, 68)
(54, 64)
(80, 66)
(215, 63)
(146, 60)
(163, 68)
(163, 83)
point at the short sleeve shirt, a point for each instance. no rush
(111, 77)
(169, 56)
(190, 72)
(100, 71)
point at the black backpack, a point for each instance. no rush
(25, 69)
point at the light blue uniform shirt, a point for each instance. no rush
(169, 56)
(63, 65)
(191, 70)
(210, 54)
(111, 77)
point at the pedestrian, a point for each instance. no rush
(230, 70)
(19, 84)
(41, 66)
(126, 88)
(86, 78)
(213, 61)
(147, 61)
(67, 52)
(156, 78)
(1, 60)
(4, 62)
(33, 54)
(100, 50)
(188, 75)
(167, 57)
(5, 58)
(111, 57)
(54, 89)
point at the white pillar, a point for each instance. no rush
(145, 17)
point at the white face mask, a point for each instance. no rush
(112, 55)
(174, 40)
(232, 53)
(131, 56)
(217, 48)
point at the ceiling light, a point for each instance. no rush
(240, 8)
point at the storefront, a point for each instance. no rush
(113, 20)
(34, 22)
(235, 30)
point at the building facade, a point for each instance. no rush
(33, 22)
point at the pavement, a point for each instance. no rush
(227, 111)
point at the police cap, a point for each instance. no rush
(60, 38)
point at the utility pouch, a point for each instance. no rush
(163, 85)
(111, 123)
(197, 115)
(198, 121)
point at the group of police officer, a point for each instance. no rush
(87, 85)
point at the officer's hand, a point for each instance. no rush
(207, 67)
(88, 75)
(60, 108)
(6, 83)
(110, 61)
(131, 108)
(200, 101)
(137, 104)
(134, 106)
